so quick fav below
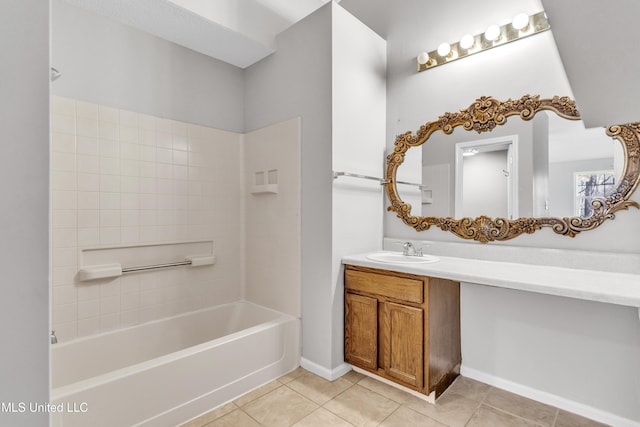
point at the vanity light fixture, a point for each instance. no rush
(493, 33)
(520, 22)
(467, 41)
(521, 26)
(444, 49)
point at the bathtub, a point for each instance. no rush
(166, 372)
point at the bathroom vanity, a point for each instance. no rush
(402, 320)
(403, 327)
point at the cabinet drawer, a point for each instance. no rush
(399, 288)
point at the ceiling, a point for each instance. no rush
(237, 32)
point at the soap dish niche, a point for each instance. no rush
(265, 182)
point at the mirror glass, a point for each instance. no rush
(488, 178)
(548, 166)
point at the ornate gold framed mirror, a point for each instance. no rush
(485, 115)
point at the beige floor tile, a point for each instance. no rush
(361, 407)
(211, 415)
(318, 389)
(404, 417)
(567, 419)
(322, 418)
(254, 394)
(386, 390)
(280, 407)
(237, 418)
(353, 376)
(487, 416)
(469, 388)
(521, 406)
(292, 375)
(450, 409)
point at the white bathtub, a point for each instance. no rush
(165, 372)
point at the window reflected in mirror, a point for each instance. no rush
(590, 186)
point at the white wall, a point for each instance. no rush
(108, 63)
(272, 220)
(24, 222)
(359, 67)
(329, 69)
(296, 81)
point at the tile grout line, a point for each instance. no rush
(555, 419)
(537, 423)
(322, 405)
(334, 397)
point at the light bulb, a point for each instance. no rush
(492, 33)
(444, 49)
(520, 21)
(467, 41)
(423, 58)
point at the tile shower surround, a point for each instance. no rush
(124, 178)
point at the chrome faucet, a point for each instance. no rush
(54, 339)
(409, 250)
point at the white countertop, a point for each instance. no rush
(601, 286)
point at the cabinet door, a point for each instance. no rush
(403, 343)
(361, 330)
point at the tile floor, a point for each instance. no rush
(302, 399)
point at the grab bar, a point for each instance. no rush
(382, 181)
(156, 266)
(102, 271)
(355, 175)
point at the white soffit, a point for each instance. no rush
(597, 42)
(239, 32)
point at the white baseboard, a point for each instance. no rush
(327, 374)
(549, 399)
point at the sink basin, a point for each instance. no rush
(398, 258)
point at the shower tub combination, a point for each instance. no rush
(165, 372)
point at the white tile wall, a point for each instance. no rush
(120, 177)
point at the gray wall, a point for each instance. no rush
(24, 188)
(111, 64)
(296, 81)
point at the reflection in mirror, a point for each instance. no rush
(562, 166)
(584, 164)
(486, 173)
(541, 171)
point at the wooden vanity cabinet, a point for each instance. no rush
(403, 327)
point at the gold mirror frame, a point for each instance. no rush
(483, 116)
